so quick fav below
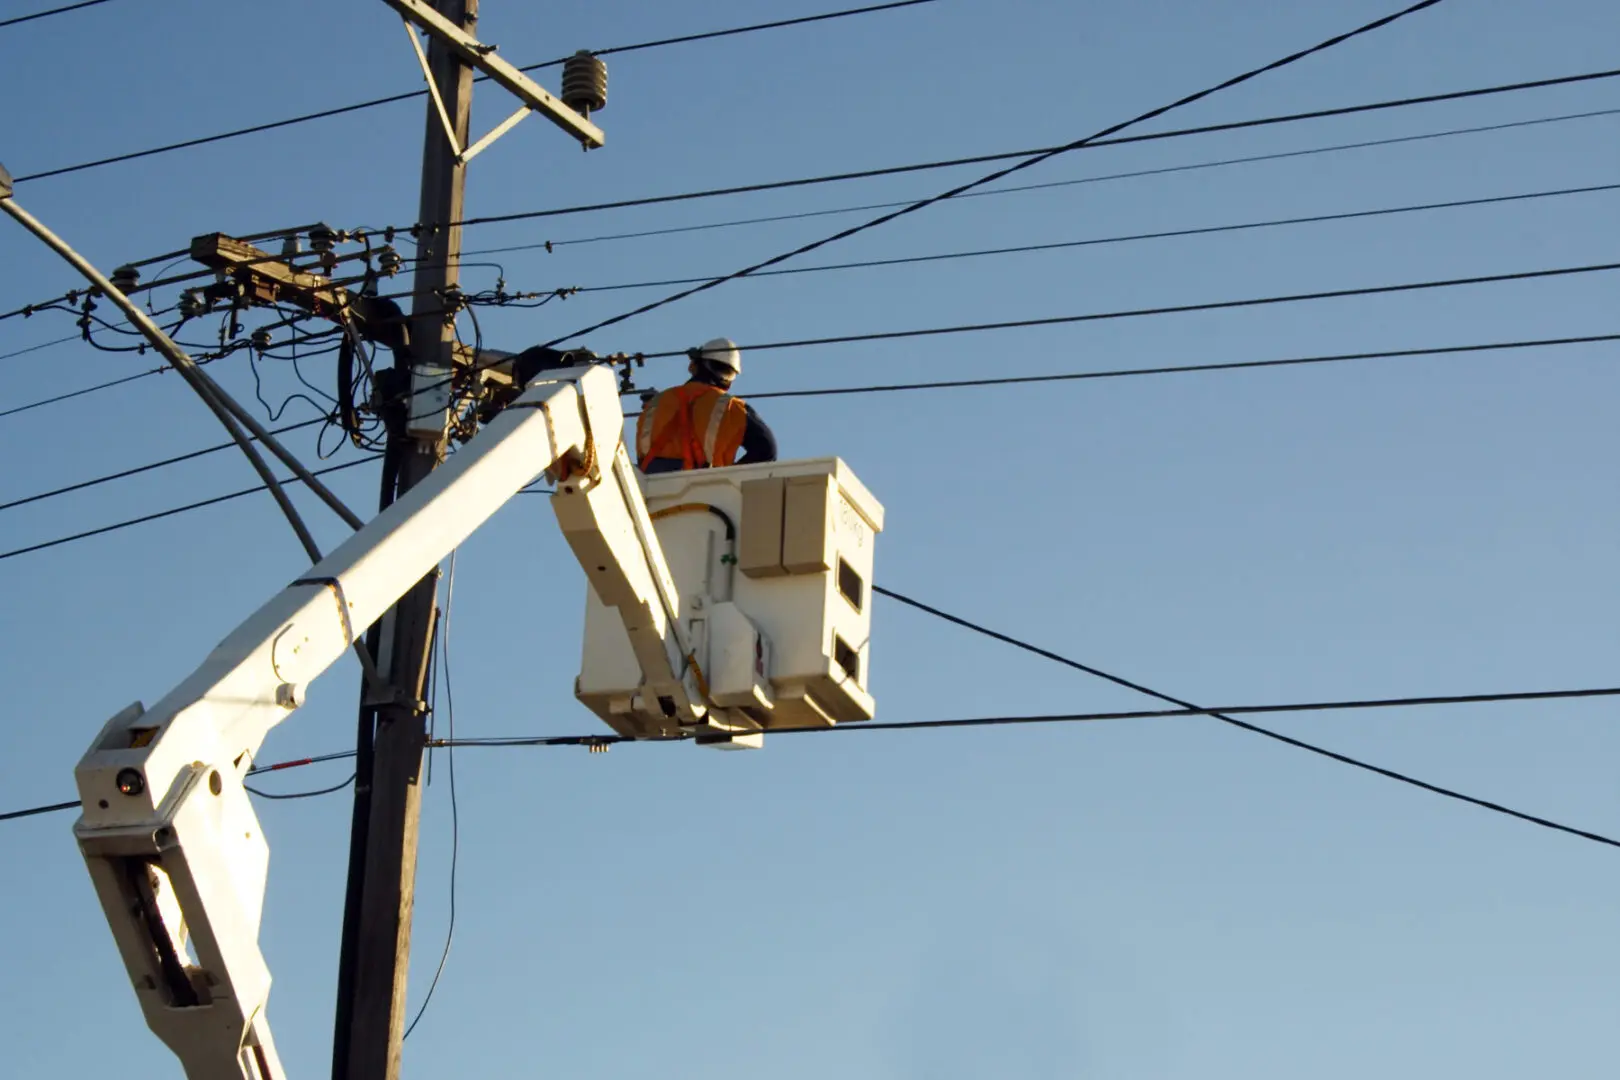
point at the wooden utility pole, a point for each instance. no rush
(392, 733)
(377, 926)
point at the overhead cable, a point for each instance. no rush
(47, 14)
(1169, 309)
(286, 795)
(1233, 365)
(1007, 380)
(1374, 290)
(257, 770)
(149, 467)
(232, 416)
(1225, 717)
(41, 345)
(1166, 234)
(391, 98)
(1048, 185)
(856, 727)
(1094, 143)
(979, 159)
(57, 399)
(976, 159)
(990, 178)
(710, 35)
(172, 511)
(1126, 238)
(1353, 705)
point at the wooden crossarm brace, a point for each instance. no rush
(483, 58)
(269, 277)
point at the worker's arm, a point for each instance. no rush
(759, 441)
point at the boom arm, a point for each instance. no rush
(170, 839)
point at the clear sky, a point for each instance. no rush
(1168, 898)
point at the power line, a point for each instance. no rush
(710, 35)
(172, 511)
(990, 178)
(35, 811)
(111, 383)
(1007, 325)
(1352, 705)
(1172, 309)
(47, 14)
(1206, 230)
(149, 467)
(1234, 365)
(1007, 380)
(1298, 707)
(56, 399)
(1027, 248)
(296, 794)
(1225, 717)
(41, 345)
(924, 166)
(53, 808)
(774, 185)
(390, 99)
(122, 328)
(70, 395)
(1018, 188)
(981, 159)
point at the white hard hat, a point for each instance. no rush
(723, 353)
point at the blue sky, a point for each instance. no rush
(1167, 898)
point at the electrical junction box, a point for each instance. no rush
(773, 567)
(430, 401)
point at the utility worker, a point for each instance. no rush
(699, 425)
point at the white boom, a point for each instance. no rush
(173, 845)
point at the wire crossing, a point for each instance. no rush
(1095, 143)
(1013, 324)
(1233, 365)
(990, 178)
(1170, 309)
(1225, 716)
(545, 741)
(1007, 380)
(976, 159)
(1352, 705)
(1166, 234)
(1165, 170)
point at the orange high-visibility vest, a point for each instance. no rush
(698, 424)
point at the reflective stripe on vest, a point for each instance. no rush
(671, 424)
(718, 411)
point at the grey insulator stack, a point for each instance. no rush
(584, 83)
